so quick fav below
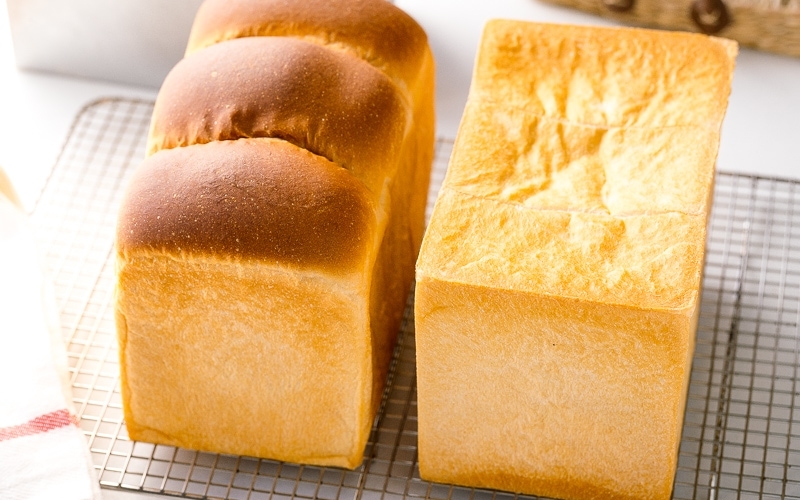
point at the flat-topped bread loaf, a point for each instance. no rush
(266, 246)
(558, 284)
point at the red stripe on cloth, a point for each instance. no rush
(38, 425)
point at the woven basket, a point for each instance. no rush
(771, 25)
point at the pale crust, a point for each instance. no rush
(600, 77)
(559, 279)
(549, 396)
(266, 247)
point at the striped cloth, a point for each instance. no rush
(43, 453)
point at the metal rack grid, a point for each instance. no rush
(741, 437)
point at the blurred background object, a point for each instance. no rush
(771, 25)
(121, 41)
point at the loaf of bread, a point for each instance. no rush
(266, 246)
(558, 283)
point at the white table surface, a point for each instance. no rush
(761, 133)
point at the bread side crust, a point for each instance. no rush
(212, 358)
(550, 396)
(394, 267)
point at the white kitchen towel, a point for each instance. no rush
(43, 453)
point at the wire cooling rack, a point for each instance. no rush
(741, 437)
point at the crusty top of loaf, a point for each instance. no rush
(375, 30)
(608, 77)
(317, 77)
(328, 102)
(584, 165)
(643, 261)
(553, 164)
(250, 199)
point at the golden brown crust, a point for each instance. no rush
(211, 350)
(610, 77)
(252, 198)
(332, 104)
(376, 30)
(549, 396)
